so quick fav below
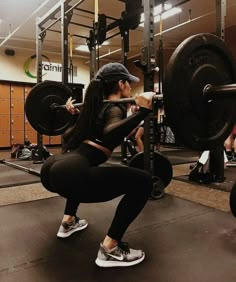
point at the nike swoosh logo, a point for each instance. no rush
(121, 257)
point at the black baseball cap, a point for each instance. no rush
(115, 72)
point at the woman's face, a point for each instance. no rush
(125, 88)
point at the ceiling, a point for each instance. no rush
(18, 25)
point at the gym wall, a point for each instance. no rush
(15, 85)
(13, 67)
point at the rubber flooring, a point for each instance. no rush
(183, 242)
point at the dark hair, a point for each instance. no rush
(96, 92)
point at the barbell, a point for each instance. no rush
(45, 107)
(198, 95)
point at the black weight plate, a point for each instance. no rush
(232, 200)
(199, 60)
(162, 166)
(38, 108)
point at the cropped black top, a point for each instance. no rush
(111, 128)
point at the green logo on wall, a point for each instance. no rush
(28, 65)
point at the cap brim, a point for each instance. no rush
(133, 78)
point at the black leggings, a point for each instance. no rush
(70, 176)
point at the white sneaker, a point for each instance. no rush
(68, 228)
(121, 255)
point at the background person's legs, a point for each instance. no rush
(234, 144)
(234, 149)
(138, 137)
(228, 144)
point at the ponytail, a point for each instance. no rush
(96, 92)
(92, 104)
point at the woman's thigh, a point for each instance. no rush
(107, 183)
(71, 177)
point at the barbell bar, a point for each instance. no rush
(221, 91)
(209, 92)
(20, 167)
(118, 101)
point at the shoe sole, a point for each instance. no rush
(103, 263)
(69, 233)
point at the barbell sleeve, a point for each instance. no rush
(20, 167)
(156, 97)
(220, 91)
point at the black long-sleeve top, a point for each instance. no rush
(116, 126)
(111, 128)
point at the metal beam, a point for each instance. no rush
(39, 45)
(51, 13)
(148, 63)
(220, 18)
(66, 15)
(70, 9)
(92, 13)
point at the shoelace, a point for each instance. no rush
(68, 224)
(123, 247)
(77, 219)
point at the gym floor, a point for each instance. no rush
(188, 235)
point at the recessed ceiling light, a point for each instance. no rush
(165, 13)
(82, 48)
(105, 43)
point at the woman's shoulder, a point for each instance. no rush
(113, 109)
